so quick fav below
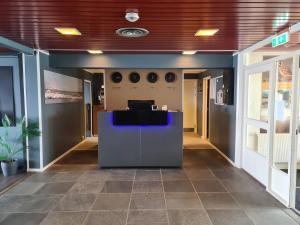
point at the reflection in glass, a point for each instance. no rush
(258, 96)
(257, 140)
(283, 96)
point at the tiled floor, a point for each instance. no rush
(206, 191)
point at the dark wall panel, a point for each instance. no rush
(6, 93)
(222, 118)
(63, 123)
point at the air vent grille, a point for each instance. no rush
(132, 32)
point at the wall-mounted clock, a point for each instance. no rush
(152, 77)
(170, 77)
(134, 77)
(116, 77)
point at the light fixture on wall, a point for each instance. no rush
(68, 31)
(95, 51)
(206, 32)
(190, 52)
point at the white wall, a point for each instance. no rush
(118, 94)
(190, 103)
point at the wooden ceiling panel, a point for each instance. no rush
(172, 23)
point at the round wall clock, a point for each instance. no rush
(170, 77)
(134, 77)
(116, 77)
(152, 77)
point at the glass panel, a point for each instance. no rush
(257, 139)
(258, 96)
(297, 202)
(260, 56)
(283, 96)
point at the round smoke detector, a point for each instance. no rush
(132, 32)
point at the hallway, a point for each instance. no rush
(207, 190)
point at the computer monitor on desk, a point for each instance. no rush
(140, 105)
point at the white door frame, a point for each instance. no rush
(249, 156)
(290, 202)
(85, 112)
(204, 107)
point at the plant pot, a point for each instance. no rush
(9, 168)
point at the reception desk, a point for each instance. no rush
(140, 139)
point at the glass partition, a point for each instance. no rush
(282, 115)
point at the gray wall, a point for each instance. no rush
(13, 61)
(150, 61)
(222, 120)
(63, 124)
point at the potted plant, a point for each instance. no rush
(10, 146)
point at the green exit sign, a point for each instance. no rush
(280, 39)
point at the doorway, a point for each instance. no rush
(271, 114)
(88, 108)
(205, 107)
(190, 105)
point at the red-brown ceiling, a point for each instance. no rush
(172, 23)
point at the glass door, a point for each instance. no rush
(257, 122)
(280, 155)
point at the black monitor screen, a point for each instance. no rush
(140, 104)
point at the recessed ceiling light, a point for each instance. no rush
(189, 52)
(67, 30)
(206, 32)
(94, 51)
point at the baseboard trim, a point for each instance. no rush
(55, 160)
(222, 154)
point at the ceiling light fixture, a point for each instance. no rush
(95, 51)
(206, 32)
(67, 30)
(189, 52)
(132, 15)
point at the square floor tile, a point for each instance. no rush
(94, 176)
(270, 216)
(23, 219)
(121, 175)
(147, 201)
(178, 186)
(25, 188)
(87, 187)
(242, 185)
(181, 200)
(229, 217)
(117, 187)
(208, 186)
(139, 217)
(66, 176)
(55, 188)
(199, 174)
(255, 200)
(76, 202)
(106, 218)
(41, 177)
(217, 201)
(147, 186)
(64, 218)
(112, 201)
(174, 174)
(39, 203)
(148, 175)
(188, 217)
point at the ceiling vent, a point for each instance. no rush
(132, 32)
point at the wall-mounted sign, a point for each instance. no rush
(280, 39)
